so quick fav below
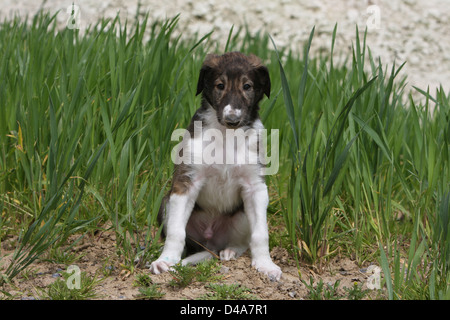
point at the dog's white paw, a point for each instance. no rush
(227, 254)
(268, 268)
(160, 266)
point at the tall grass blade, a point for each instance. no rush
(287, 97)
(386, 272)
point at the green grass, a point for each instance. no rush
(322, 291)
(59, 290)
(85, 126)
(328, 291)
(147, 289)
(206, 271)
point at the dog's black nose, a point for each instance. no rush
(232, 120)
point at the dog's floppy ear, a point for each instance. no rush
(262, 74)
(264, 79)
(201, 79)
(207, 66)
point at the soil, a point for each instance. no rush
(98, 253)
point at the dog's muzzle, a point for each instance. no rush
(231, 117)
(232, 120)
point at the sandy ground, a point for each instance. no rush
(398, 30)
(97, 254)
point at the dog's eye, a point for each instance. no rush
(220, 86)
(247, 87)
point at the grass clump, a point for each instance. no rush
(66, 288)
(184, 275)
(147, 289)
(322, 291)
(228, 292)
(151, 292)
(331, 291)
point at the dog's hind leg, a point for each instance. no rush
(197, 258)
(232, 253)
(239, 233)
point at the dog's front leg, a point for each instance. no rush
(179, 209)
(256, 200)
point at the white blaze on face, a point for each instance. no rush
(229, 110)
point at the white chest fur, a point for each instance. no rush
(225, 160)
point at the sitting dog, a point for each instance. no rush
(220, 208)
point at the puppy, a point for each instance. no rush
(219, 207)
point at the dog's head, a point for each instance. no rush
(233, 84)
